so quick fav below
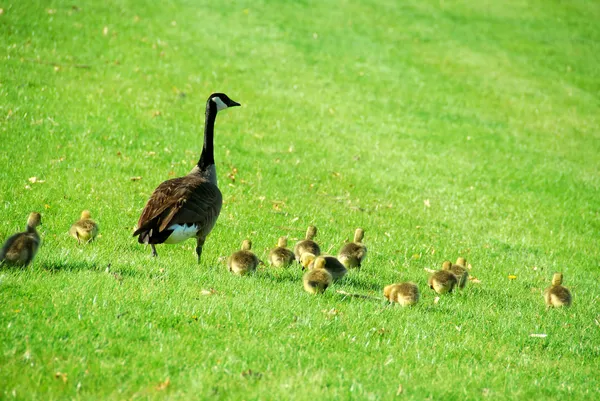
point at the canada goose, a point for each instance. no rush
(189, 206)
(329, 263)
(280, 256)
(352, 254)
(405, 294)
(243, 261)
(316, 281)
(307, 244)
(442, 281)
(459, 270)
(85, 229)
(557, 295)
(20, 249)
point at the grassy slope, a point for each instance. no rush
(354, 115)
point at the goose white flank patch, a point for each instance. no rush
(181, 232)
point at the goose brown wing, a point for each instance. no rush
(184, 200)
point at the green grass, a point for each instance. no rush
(354, 114)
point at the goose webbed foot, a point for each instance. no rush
(154, 254)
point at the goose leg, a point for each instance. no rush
(199, 246)
(154, 250)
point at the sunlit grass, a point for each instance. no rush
(441, 128)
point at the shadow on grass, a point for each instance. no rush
(80, 265)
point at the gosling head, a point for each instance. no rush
(222, 101)
(462, 262)
(387, 290)
(282, 242)
(311, 232)
(34, 219)
(85, 215)
(246, 245)
(319, 263)
(306, 259)
(446, 265)
(557, 279)
(359, 234)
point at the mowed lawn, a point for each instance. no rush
(443, 128)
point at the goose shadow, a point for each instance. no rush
(82, 265)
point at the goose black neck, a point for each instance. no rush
(207, 158)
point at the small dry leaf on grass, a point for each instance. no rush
(105, 31)
(62, 376)
(538, 335)
(210, 291)
(474, 280)
(35, 180)
(331, 312)
(400, 390)
(164, 385)
(427, 203)
(436, 300)
(428, 270)
(135, 178)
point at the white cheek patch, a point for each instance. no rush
(219, 103)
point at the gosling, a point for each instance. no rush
(243, 261)
(442, 281)
(280, 256)
(329, 263)
(307, 244)
(85, 229)
(316, 281)
(21, 248)
(406, 294)
(556, 295)
(459, 270)
(353, 253)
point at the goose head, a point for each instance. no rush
(85, 215)
(306, 259)
(462, 262)
(34, 220)
(311, 232)
(282, 242)
(446, 265)
(557, 279)
(246, 245)
(222, 101)
(359, 234)
(319, 263)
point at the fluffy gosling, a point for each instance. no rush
(243, 261)
(406, 294)
(459, 270)
(329, 263)
(352, 254)
(316, 281)
(280, 256)
(442, 281)
(21, 248)
(556, 295)
(85, 229)
(307, 244)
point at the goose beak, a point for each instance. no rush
(233, 103)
